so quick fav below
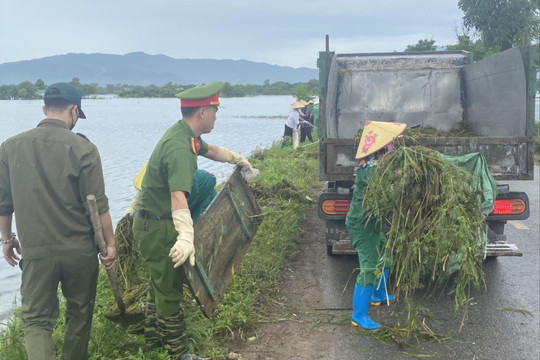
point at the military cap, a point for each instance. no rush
(66, 92)
(204, 95)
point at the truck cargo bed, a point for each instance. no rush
(508, 158)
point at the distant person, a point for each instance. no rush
(293, 120)
(163, 224)
(307, 126)
(367, 235)
(45, 175)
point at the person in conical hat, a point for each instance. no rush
(367, 237)
(376, 135)
(293, 120)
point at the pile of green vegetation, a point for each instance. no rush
(436, 223)
(284, 191)
(464, 129)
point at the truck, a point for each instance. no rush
(494, 96)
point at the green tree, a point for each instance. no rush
(28, 90)
(422, 45)
(477, 48)
(301, 93)
(22, 93)
(502, 23)
(8, 92)
(40, 84)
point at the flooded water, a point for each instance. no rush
(126, 131)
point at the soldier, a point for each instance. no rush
(45, 175)
(162, 223)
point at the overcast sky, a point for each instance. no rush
(282, 32)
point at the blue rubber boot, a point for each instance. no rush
(379, 292)
(361, 302)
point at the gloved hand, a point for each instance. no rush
(226, 155)
(249, 173)
(131, 209)
(183, 247)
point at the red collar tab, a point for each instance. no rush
(212, 100)
(195, 145)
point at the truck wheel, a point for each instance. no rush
(329, 250)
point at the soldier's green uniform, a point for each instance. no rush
(45, 173)
(171, 167)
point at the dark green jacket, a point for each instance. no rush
(45, 175)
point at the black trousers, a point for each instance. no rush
(288, 131)
(305, 132)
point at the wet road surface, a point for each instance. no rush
(503, 322)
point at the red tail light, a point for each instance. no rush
(508, 207)
(335, 207)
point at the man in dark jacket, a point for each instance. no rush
(45, 175)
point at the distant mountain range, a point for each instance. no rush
(139, 68)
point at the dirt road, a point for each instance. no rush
(296, 327)
(310, 319)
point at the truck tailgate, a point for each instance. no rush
(508, 158)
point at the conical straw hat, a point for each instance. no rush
(297, 105)
(376, 135)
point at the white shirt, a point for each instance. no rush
(293, 119)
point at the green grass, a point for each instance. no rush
(284, 191)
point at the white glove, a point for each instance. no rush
(226, 155)
(249, 173)
(131, 209)
(183, 247)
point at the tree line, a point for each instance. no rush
(27, 90)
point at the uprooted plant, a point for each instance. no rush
(434, 224)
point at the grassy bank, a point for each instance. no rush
(284, 190)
